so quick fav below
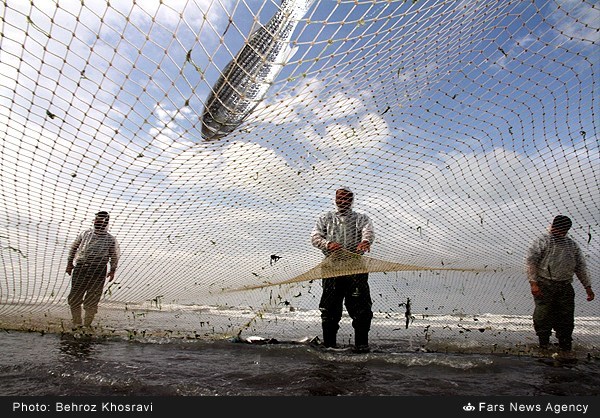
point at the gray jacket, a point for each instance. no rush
(557, 259)
(347, 230)
(96, 249)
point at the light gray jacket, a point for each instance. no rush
(94, 248)
(347, 230)
(557, 259)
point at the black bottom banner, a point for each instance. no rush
(448, 406)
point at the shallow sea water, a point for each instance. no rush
(35, 364)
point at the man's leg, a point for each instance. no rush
(331, 310)
(542, 319)
(92, 297)
(76, 316)
(75, 298)
(564, 316)
(359, 306)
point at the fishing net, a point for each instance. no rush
(463, 128)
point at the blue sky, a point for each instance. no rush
(462, 127)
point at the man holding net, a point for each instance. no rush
(334, 232)
(552, 260)
(91, 251)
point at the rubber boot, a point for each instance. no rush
(89, 317)
(361, 341)
(76, 316)
(564, 344)
(544, 342)
(329, 336)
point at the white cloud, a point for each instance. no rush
(129, 146)
(254, 169)
(577, 19)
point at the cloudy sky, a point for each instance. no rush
(462, 127)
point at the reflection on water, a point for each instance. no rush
(81, 347)
(84, 365)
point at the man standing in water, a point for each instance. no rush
(91, 252)
(552, 260)
(337, 230)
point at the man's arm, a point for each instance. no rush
(317, 236)
(114, 254)
(72, 252)
(590, 293)
(532, 276)
(582, 274)
(532, 261)
(367, 236)
(532, 272)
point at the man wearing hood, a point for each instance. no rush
(337, 230)
(88, 257)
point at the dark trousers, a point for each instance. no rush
(87, 284)
(555, 309)
(354, 292)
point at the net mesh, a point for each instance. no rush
(463, 128)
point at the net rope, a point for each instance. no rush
(462, 127)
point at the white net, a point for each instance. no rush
(463, 127)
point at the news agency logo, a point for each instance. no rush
(468, 407)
